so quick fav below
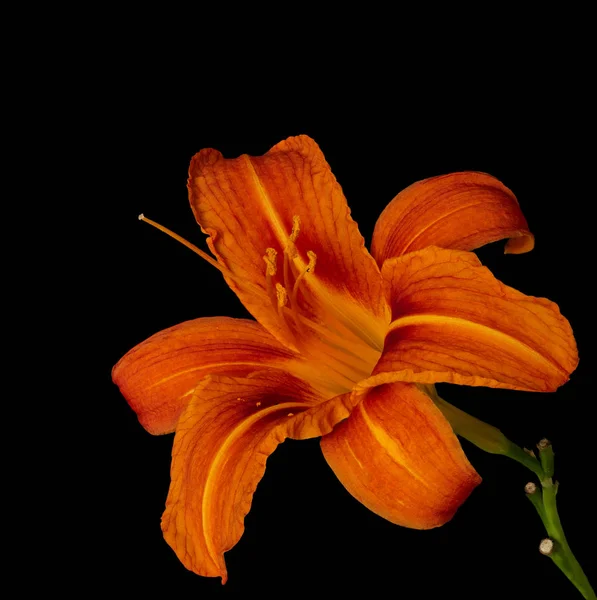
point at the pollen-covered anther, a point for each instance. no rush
(270, 260)
(282, 295)
(290, 250)
(296, 228)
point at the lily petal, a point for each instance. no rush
(462, 211)
(321, 419)
(281, 221)
(398, 455)
(453, 321)
(158, 376)
(222, 441)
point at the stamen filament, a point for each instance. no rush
(328, 350)
(270, 271)
(310, 268)
(357, 328)
(282, 300)
(362, 351)
(271, 292)
(287, 272)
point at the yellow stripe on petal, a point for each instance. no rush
(453, 321)
(398, 455)
(223, 439)
(288, 204)
(157, 376)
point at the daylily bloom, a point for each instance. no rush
(342, 343)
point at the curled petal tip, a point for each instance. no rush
(520, 245)
(463, 211)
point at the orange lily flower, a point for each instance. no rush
(343, 340)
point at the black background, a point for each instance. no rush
(305, 533)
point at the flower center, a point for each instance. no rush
(341, 350)
(334, 337)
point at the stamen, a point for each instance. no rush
(282, 295)
(290, 251)
(343, 340)
(312, 261)
(310, 268)
(296, 228)
(270, 271)
(287, 270)
(270, 261)
(353, 367)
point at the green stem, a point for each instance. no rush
(492, 440)
(546, 457)
(486, 437)
(562, 555)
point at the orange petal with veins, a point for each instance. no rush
(286, 213)
(158, 376)
(398, 455)
(321, 418)
(223, 438)
(453, 321)
(462, 211)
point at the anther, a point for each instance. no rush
(282, 295)
(270, 261)
(296, 228)
(290, 250)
